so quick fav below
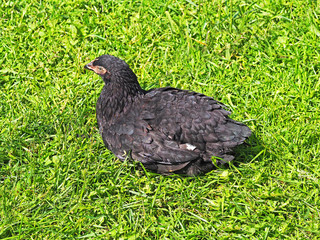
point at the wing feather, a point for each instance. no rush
(159, 127)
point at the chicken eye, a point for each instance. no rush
(100, 68)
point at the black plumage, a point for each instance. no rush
(168, 130)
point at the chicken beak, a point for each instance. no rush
(89, 66)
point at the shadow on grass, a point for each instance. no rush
(253, 150)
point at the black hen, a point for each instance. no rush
(168, 130)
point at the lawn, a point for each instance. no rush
(260, 58)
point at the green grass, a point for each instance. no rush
(261, 58)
